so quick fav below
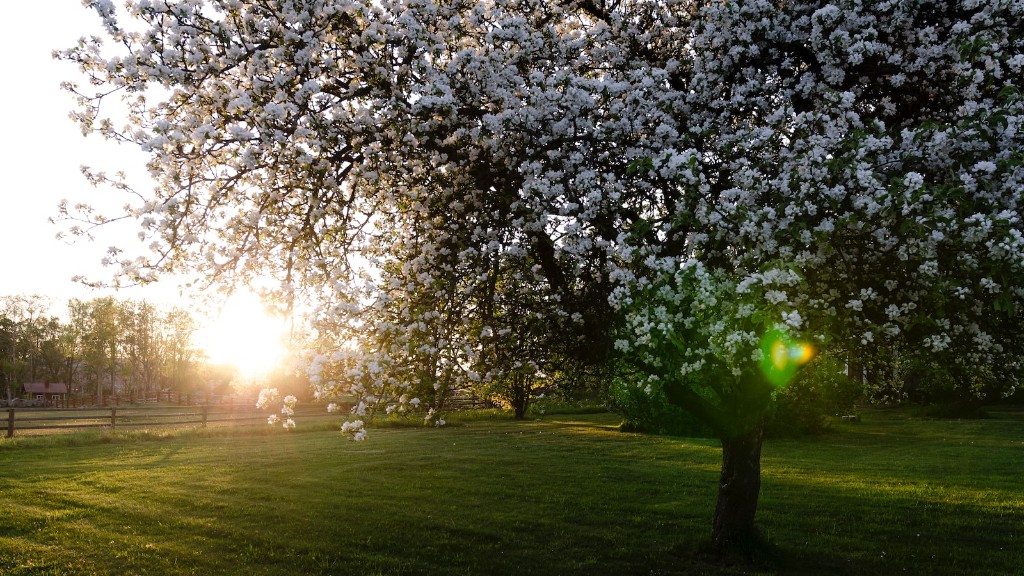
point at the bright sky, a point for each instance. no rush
(41, 151)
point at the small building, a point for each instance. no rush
(48, 393)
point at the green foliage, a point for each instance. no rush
(959, 410)
(894, 378)
(712, 346)
(798, 409)
(652, 413)
(554, 404)
(889, 379)
(104, 343)
(820, 390)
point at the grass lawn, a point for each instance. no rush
(567, 494)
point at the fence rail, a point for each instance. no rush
(219, 410)
(115, 417)
(161, 397)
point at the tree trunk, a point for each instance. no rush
(854, 366)
(520, 396)
(738, 490)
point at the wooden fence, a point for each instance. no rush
(466, 402)
(48, 420)
(158, 397)
(218, 410)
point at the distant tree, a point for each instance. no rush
(141, 333)
(98, 323)
(51, 354)
(31, 338)
(8, 356)
(69, 341)
(180, 355)
(521, 341)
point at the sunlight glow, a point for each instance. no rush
(243, 334)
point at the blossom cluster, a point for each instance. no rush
(270, 396)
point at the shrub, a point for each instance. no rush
(819, 391)
(558, 405)
(652, 413)
(804, 406)
(797, 410)
(958, 410)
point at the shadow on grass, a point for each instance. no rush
(562, 495)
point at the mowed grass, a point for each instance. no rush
(567, 494)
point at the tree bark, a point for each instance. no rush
(520, 395)
(738, 491)
(854, 367)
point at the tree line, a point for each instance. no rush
(100, 348)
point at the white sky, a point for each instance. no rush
(41, 151)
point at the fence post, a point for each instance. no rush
(206, 409)
(113, 418)
(10, 422)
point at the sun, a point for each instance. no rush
(243, 334)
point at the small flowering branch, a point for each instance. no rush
(356, 429)
(432, 417)
(268, 397)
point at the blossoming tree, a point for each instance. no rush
(708, 180)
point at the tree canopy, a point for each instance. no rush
(677, 178)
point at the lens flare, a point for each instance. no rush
(804, 353)
(781, 357)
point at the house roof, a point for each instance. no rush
(46, 388)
